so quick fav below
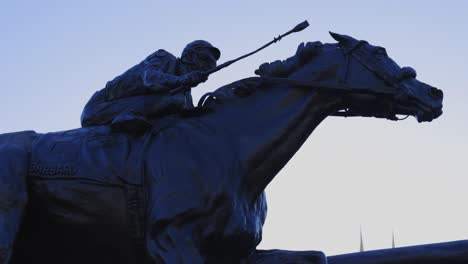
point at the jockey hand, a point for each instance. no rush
(194, 78)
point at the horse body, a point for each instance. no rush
(191, 189)
(99, 197)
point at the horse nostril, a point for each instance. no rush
(436, 93)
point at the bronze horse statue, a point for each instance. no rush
(191, 189)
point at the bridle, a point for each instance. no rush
(365, 58)
(390, 90)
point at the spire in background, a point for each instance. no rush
(361, 249)
(393, 239)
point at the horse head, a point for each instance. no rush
(371, 82)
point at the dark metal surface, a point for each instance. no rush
(189, 187)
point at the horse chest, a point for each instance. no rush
(235, 227)
(217, 220)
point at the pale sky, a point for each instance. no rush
(353, 172)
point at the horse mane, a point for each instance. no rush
(283, 68)
(245, 87)
(240, 88)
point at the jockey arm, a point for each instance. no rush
(148, 81)
(158, 81)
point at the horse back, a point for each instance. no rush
(21, 139)
(95, 154)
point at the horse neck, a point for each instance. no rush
(267, 127)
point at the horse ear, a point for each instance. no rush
(343, 39)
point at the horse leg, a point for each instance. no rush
(13, 196)
(284, 256)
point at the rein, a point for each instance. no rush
(388, 90)
(364, 58)
(339, 89)
(331, 88)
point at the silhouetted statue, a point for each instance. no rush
(190, 188)
(143, 91)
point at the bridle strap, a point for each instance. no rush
(368, 61)
(339, 88)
